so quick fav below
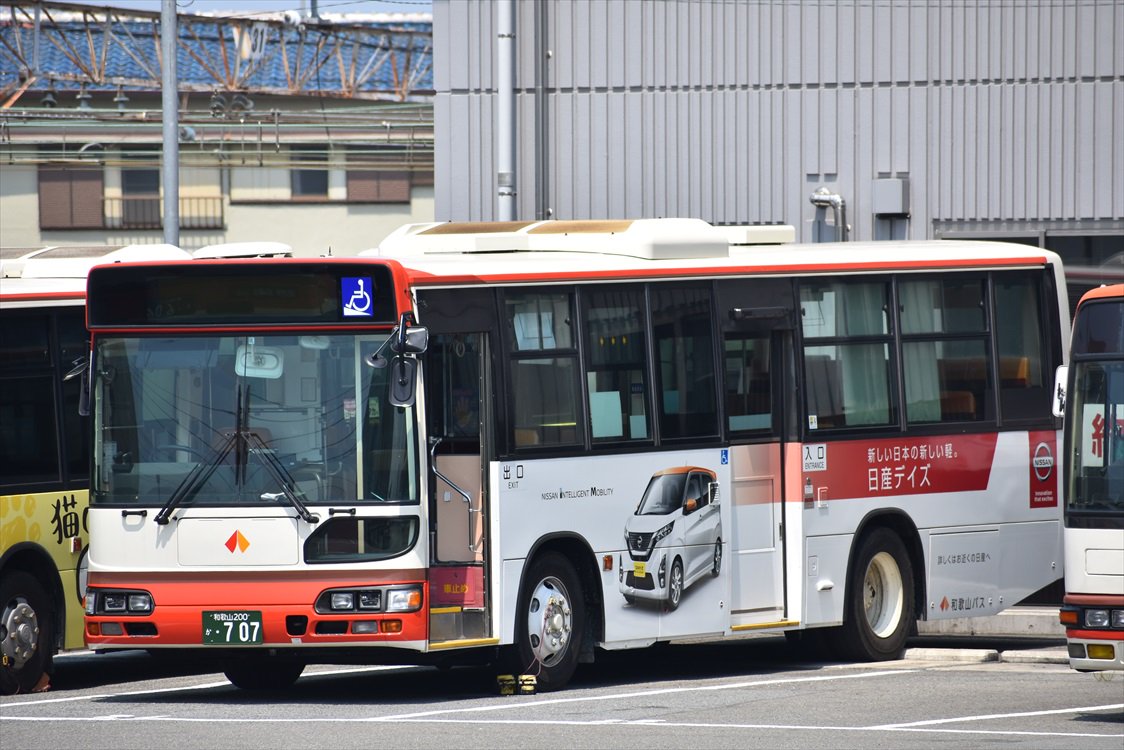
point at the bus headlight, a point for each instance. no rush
(343, 600)
(1118, 618)
(1096, 618)
(102, 602)
(140, 603)
(404, 600)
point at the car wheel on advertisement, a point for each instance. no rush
(675, 585)
(548, 629)
(716, 568)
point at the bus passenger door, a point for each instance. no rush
(757, 353)
(458, 588)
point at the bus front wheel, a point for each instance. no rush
(879, 609)
(25, 632)
(263, 673)
(551, 615)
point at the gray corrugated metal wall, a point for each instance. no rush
(734, 111)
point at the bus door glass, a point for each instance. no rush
(456, 392)
(757, 321)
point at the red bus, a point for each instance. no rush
(523, 442)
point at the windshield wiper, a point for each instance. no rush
(280, 475)
(196, 478)
(242, 442)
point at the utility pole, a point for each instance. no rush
(171, 117)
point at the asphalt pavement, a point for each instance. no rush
(1017, 635)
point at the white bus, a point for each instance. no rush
(1093, 611)
(444, 450)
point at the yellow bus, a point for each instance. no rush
(44, 455)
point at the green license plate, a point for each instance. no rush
(232, 628)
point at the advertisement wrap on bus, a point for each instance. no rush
(522, 443)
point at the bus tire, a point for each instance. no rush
(550, 621)
(25, 613)
(263, 673)
(878, 611)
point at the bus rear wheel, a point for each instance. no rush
(25, 632)
(263, 673)
(879, 609)
(549, 626)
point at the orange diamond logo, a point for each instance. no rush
(237, 540)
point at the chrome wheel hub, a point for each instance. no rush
(20, 632)
(549, 621)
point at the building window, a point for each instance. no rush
(71, 197)
(309, 174)
(378, 186)
(140, 193)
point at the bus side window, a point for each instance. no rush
(847, 346)
(1024, 385)
(544, 368)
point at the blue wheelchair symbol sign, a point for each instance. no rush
(356, 291)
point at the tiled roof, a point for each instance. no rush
(366, 59)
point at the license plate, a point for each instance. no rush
(232, 628)
(638, 569)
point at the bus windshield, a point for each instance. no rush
(1097, 476)
(248, 419)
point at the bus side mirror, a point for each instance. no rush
(1061, 377)
(81, 370)
(403, 380)
(410, 339)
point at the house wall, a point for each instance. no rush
(19, 199)
(310, 228)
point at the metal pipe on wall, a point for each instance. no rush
(824, 198)
(505, 110)
(170, 118)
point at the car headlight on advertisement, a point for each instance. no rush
(662, 533)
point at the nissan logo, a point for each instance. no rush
(1043, 462)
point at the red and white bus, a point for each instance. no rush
(526, 441)
(1093, 611)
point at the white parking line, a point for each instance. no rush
(203, 686)
(458, 715)
(985, 717)
(658, 725)
(641, 694)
